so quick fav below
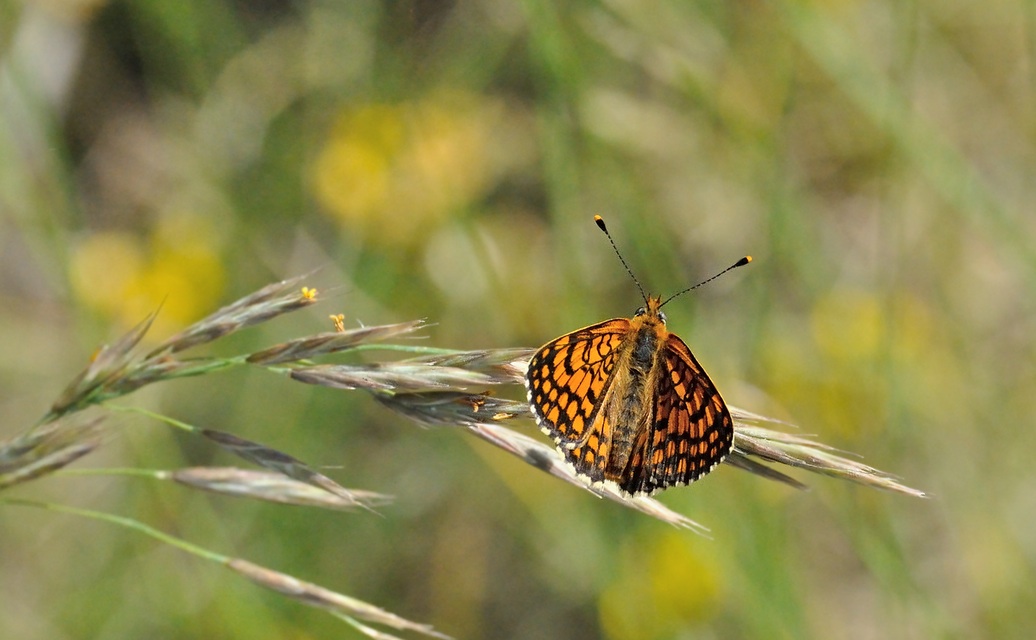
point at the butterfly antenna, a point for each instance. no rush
(600, 223)
(740, 263)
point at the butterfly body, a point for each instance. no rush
(626, 402)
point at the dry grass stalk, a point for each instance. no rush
(481, 414)
(116, 371)
(58, 439)
(108, 366)
(804, 453)
(415, 388)
(433, 389)
(44, 450)
(274, 487)
(265, 304)
(336, 603)
(331, 342)
(278, 461)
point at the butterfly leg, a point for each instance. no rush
(576, 443)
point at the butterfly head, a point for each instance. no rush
(651, 316)
(652, 310)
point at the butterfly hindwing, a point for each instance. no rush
(692, 430)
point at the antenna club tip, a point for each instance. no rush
(600, 223)
(743, 261)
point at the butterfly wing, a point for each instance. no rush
(691, 429)
(567, 382)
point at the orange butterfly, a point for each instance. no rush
(626, 401)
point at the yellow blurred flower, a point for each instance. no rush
(175, 268)
(913, 328)
(848, 324)
(663, 586)
(104, 268)
(391, 171)
(856, 325)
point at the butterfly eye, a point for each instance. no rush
(641, 311)
(662, 316)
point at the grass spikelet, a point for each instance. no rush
(275, 460)
(275, 487)
(109, 364)
(266, 303)
(803, 453)
(330, 342)
(392, 377)
(438, 408)
(44, 450)
(336, 603)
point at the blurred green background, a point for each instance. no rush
(443, 159)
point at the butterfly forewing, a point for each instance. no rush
(568, 377)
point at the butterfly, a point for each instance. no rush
(626, 401)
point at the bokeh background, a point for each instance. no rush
(443, 159)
